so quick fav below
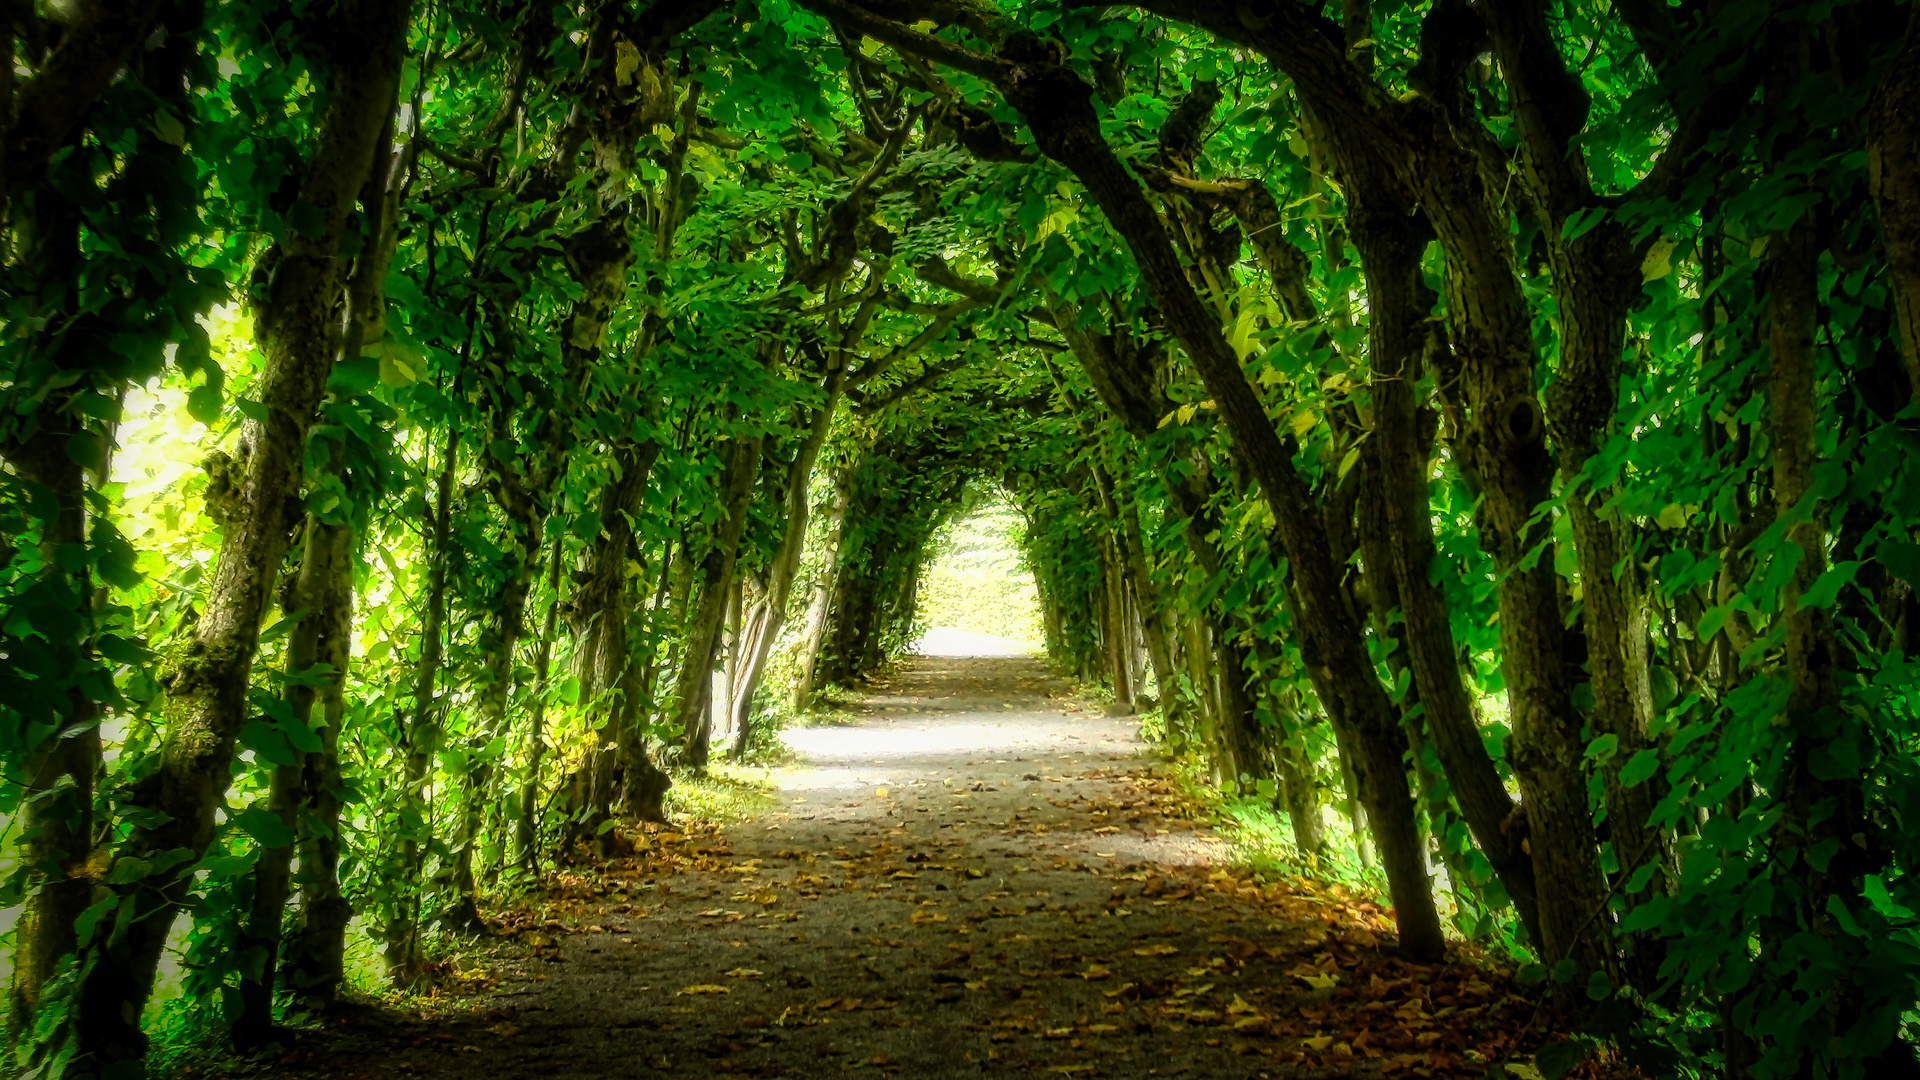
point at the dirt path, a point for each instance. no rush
(974, 878)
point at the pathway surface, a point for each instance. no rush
(975, 876)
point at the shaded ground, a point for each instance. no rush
(976, 876)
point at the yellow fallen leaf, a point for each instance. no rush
(1318, 1042)
(1096, 972)
(1156, 949)
(747, 973)
(879, 793)
(704, 988)
(1321, 982)
(1239, 1006)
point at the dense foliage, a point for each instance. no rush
(427, 427)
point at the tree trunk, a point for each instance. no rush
(608, 677)
(740, 460)
(420, 735)
(1114, 633)
(317, 961)
(206, 680)
(1893, 170)
(526, 828)
(272, 872)
(499, 644)
(1302, 795)
(1399, 463)
(814, 635)
(758, 644)
(1056, 105)
(305, 794)
(56, 807)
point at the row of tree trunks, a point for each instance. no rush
(526, 825)
(739, 468)
(1055, 103)
(420, 733)
(46, 114)
(361, 44)
(620, 773)
(304, 794)
(604, 656)
(56, 810)
(755, 644)
(1501, 446)
(1398, 463)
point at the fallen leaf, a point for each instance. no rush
(704, 988)
(744, 973)
(1318, 1042)
(1159, 948)
(1321, 982)
(1240, 1006)
(1096, 972)
(880, 793)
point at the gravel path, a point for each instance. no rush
(973, 877)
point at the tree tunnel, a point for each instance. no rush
(1481, 433)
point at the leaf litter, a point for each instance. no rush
(961, 923)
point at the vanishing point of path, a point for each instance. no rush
(975, 877)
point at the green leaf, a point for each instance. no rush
(168, 128)
(1882, 900)
(355, 376)
(1838, 909)
(1603, 747)
(1348, 461)
(127, 870)
(281, 626)
(268, 743)
(302, 737)
(1826, 588)
(1640, 768)
(266, 828)
(1582, 222)
(1902, 560)
(203, 402)
(90, 918)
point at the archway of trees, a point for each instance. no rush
(1503, 412)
